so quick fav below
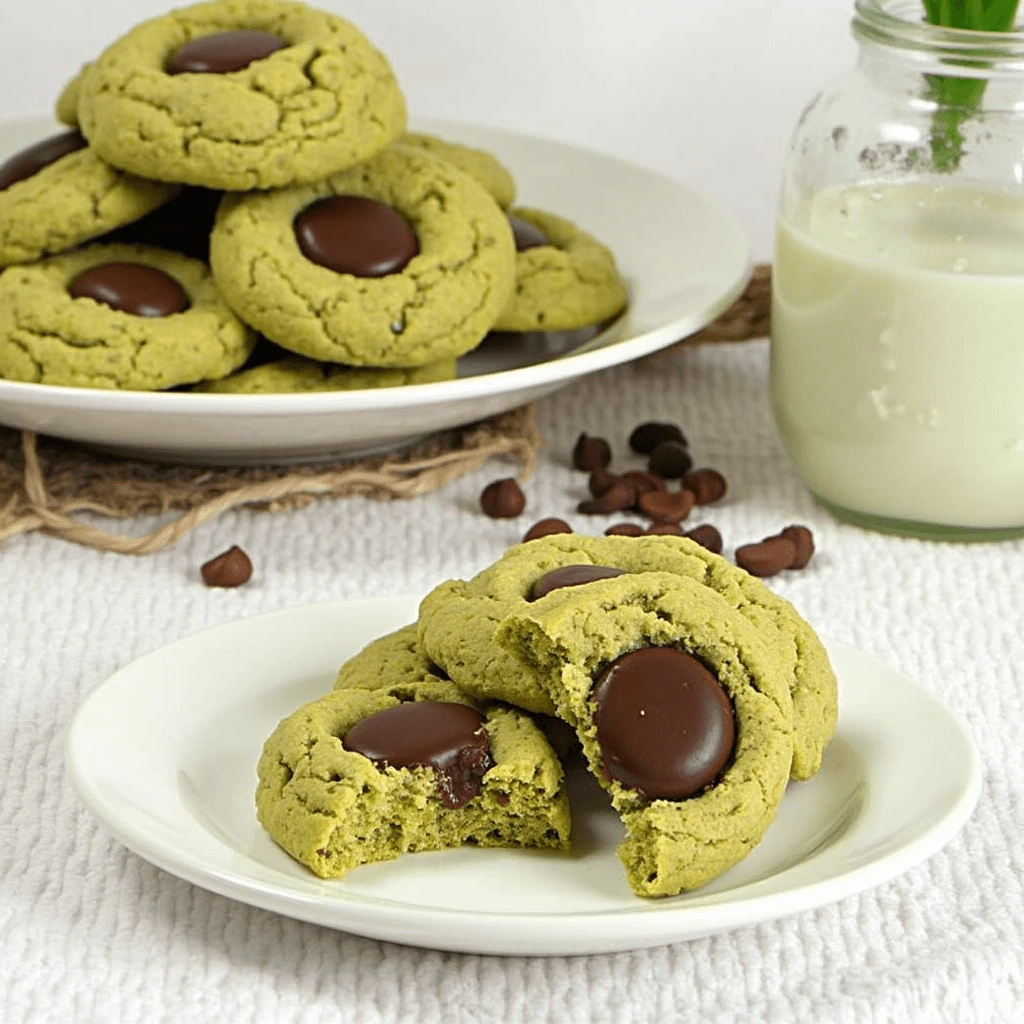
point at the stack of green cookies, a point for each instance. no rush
(240, 168)
(695, 693)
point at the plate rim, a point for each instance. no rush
(555, 371)
(380, 918)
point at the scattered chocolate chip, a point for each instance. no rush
(355, 235)
(502, 499)
(527, 235)
(665, 725)
(708, 485)
(571, 576)
(223, 52)
(31, 160)
(448, 737)
(643, 482)
(231, 568)
(803, 540)
(617, 498)
(670, 460)
(545, 528)
(600, 480)
(589, 453)
(707, 537)
(133, 288)
(767, 558)
(666, 506)
(624, 530)
(671, 529)
(646, 437)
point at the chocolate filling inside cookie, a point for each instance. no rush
(223, 52)
(665, 725)
(448, 737)
(355, 235)
(571, 576)
(527, 235)
(37, 156)
(131, 288)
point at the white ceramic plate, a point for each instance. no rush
(685, 260)
(164, 753)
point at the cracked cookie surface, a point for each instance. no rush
(324, 102)
(458, 620)
(73, 200)
(569, 635)
(439, 306)
(480, 165)
(569, 283)
(334, 809)
(48, 337)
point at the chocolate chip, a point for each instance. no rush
(502, 499)
(643, 482)
(448, 737)
(131, 288)
(665, 725)
(670, 460)
(669, 529)
(231, 568)
(545, 528)
(767, 558)
(707, 537)
(34, 158)
(590, 453)
(527, 235)
(600, 480)
(624, 530)
(708, 485)
(803, 540)
(617, 498)
(646, 437)
(222, 52)
(571, 576)
(666, 506)
(354, 235)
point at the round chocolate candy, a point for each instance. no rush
(355, 235)
(33, 159)
(526, 235)
(222, 52)
(571, 576)
(132, 288)
(665, 725)
(448, 737)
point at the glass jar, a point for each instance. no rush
(898, 291)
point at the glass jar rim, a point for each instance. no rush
(900, 24)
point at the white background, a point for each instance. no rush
(705, 90)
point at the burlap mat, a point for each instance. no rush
(44, 482)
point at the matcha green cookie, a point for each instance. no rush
(694, 800)
(480, 165)
(565, 278)
(333, 808)
(48, 336)
(293, 95)
(458, 620)
(67, 102)
(392, 661)
(295, 374)
(447, 274)
(75, 198)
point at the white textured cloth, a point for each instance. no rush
(93, 933)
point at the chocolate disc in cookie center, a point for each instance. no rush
(665, 725)
(571, 576)
(222, 52)
(41, 154)
(355, 235)
(448, 737)
(132, 288)
(527, 235)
